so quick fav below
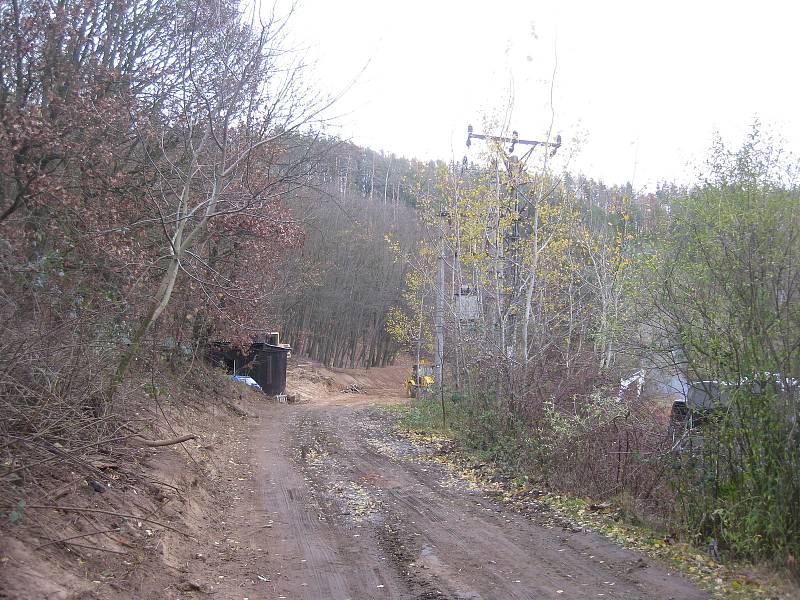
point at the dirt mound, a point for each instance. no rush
(312, 382)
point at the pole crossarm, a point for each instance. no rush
(513, 140)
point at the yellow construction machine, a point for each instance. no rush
(421, 380)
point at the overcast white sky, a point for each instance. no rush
(642, 85)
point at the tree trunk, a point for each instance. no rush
(156, 308)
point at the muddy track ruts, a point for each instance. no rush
(358, 513)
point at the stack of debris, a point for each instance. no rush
(354, 389)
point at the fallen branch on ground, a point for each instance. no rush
(75, 537)
(169, 442)
(96, 548)
(80, 509)
(236, 409)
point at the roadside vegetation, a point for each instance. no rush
(619, 303)
(495, 469)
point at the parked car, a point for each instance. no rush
(704, 398)
(248, 381)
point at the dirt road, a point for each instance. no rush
(339, 508)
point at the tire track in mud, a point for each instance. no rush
(453, 542)
(314, 555)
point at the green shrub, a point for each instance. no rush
(742, 486)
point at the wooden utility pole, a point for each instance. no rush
(439, 309)
(507, 242)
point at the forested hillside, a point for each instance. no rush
(352, 276)
(162, 190)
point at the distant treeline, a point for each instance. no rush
(348, 276)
